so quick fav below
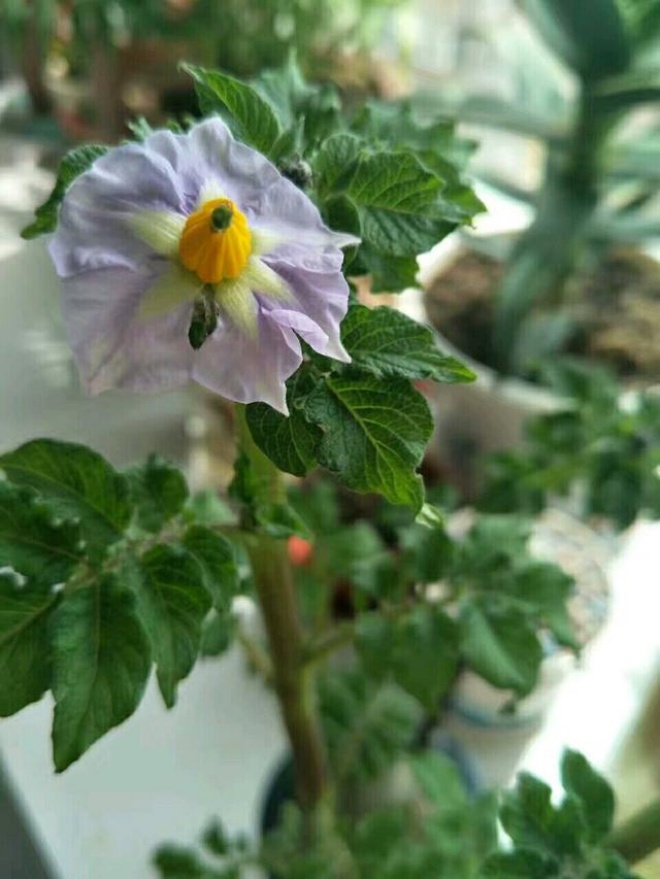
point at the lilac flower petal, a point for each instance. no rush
(93, 230)
(250, 370)
(115, 349)
(311, 332)
(321, 296)
(208, 156)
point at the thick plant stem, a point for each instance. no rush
(277, 598)
(639, 836)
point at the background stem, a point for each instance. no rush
(639, 836)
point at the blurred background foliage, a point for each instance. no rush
(575, 93)
(94, 62)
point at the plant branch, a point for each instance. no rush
(257, 657)
(639, 836)
(325, 644)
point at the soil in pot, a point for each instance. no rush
(615, 305)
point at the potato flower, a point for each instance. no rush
(196, 224)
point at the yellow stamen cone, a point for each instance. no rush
(216, 241)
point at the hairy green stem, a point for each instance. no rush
(639, 836)
(278, 601)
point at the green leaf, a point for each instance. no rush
(76, 482)
(216, 557)
(527, 813)
(495, 542)
(24, 647)
(290, 442)
(218, 633)
(342, 215)
(544, 590)
(568, 27)
(32, 542)
(385, 342)
(295, 101)
(375, 434)
(101, 663)
(172, 602)
(425, 660)
(389, 274)
(626, 91)
(333, 163)
(158, 490)
(643, 20)
(396, 197)
(427, 553)
(285, 90)
(419, 651)
(215, 839)
(501, 647)
(521, 864)
(249, 116)
(350, 548)
(208, 508)
(439, 778)
(366, 726)
(175, 862)
(72, 165)
(374, 642)
(592, 791)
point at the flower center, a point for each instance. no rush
(216, 241)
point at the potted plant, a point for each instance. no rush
(107, 573)
(576, 280)
(597, 185)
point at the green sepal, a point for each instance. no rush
(203, 321)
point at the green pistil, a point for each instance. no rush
(221, 218)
